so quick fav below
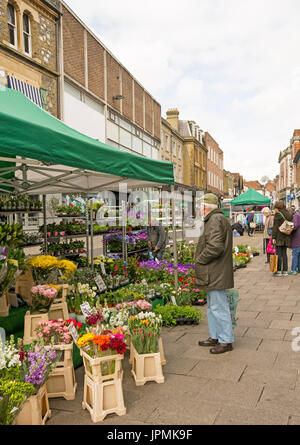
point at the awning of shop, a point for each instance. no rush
(56, 157)
(33, 93)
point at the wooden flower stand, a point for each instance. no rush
(146, 367)
(23, 286)
(62, 382)
(30, 323)
(103, 394)
(64, 293)
(4, 305)
(161, 350)
(36, 410)
(58, 310)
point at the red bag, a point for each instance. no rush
(271, 248)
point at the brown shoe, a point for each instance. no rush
(220, 348)
(209, 342)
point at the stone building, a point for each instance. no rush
(29, 50)
(238, 184)
(117, 108)
(171, 148)
(194, 151)
(214, 166)
(228, 184)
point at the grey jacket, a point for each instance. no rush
(213, 258)
(157, 236)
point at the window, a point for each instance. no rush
(27, 34)
(12, 24)
(174, 149)
(179, 151)
(167, 142)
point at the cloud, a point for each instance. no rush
(231, 66)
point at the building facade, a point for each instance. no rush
(29, 51)
(215, 159)
(117, 108)
(171, 148)
(238, 184)
(194, 151)
(289, 175)
(228, 184)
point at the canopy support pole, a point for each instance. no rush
(92, 234)
(45, 225)
(174, 242)
(87, 228)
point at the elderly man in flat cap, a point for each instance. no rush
(214, 273)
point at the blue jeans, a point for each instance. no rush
(296, 259)
(218, 316)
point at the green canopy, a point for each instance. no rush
(251, 196)
(29, 132)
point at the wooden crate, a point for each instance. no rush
(58, 310)
(101, 399)
(4, 305)
(161, 350)
(30, 323)
(93, 368)
(23, 286)
(36, 410)
(146, 367)
(64, 293)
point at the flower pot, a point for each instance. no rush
(36, 410)
(180, 321)
(31, 321)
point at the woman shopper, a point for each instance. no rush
(281, 240)
(269, 221)
(250, 221)
(295, 244)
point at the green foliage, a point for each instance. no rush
(170, 313)
(13, 395)
(11, 235)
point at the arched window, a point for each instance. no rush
(27, 34)
(12, 25)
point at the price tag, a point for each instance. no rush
(85, 309)
(173, 300)
(73, 332)
(103, 269)
(236, 250)
(100, 283)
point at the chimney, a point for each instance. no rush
(173, 118)
(296, 142)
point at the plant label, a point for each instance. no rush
(100, 283)
(73, 332)
(103, 269)
(173, 300)
(85, 309)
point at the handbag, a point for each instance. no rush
(271, 248)
(252, 225)
(273, 263)
(270, 230)
(287, 226)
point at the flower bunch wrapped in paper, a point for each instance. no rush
(42, 297)
(145, 330)
(46, 268)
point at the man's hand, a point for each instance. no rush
(149, 244)
(273, 241)
(156, 249)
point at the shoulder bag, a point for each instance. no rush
(287, 226)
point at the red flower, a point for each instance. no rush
(116, 267)
(172, 282)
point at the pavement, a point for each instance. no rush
(258, 383)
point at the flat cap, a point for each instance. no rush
(209, 198)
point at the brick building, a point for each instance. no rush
(194, 150)
(28, 49)
(215, 183)
(117, 108)
(238, 184)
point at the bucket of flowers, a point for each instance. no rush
(146, 354)
(42, 297)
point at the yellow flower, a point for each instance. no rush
(42, 262)
(85, 339)
(68, 266)
(54, 286)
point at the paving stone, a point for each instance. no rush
(263, 307)
(294, 420)
(203, 415)
(284, 324)
(274, 345)
(266, 315)
(232, 415)
(296, 317)
(250, 322)
(251, 343)
(230, 394)
(224, 371)
(291, 358)
(281, 377)
(275, 334)
(179, 366)
(246, 314)
(289, 308)
(286, 401)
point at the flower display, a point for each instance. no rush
(95, 318)
(9, 356)
(145, 330)
(139, 305)
(53, 332)
(45, 268)
(42, 297)
(38, 365)
(103, 344)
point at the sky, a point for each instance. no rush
(232, 66)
